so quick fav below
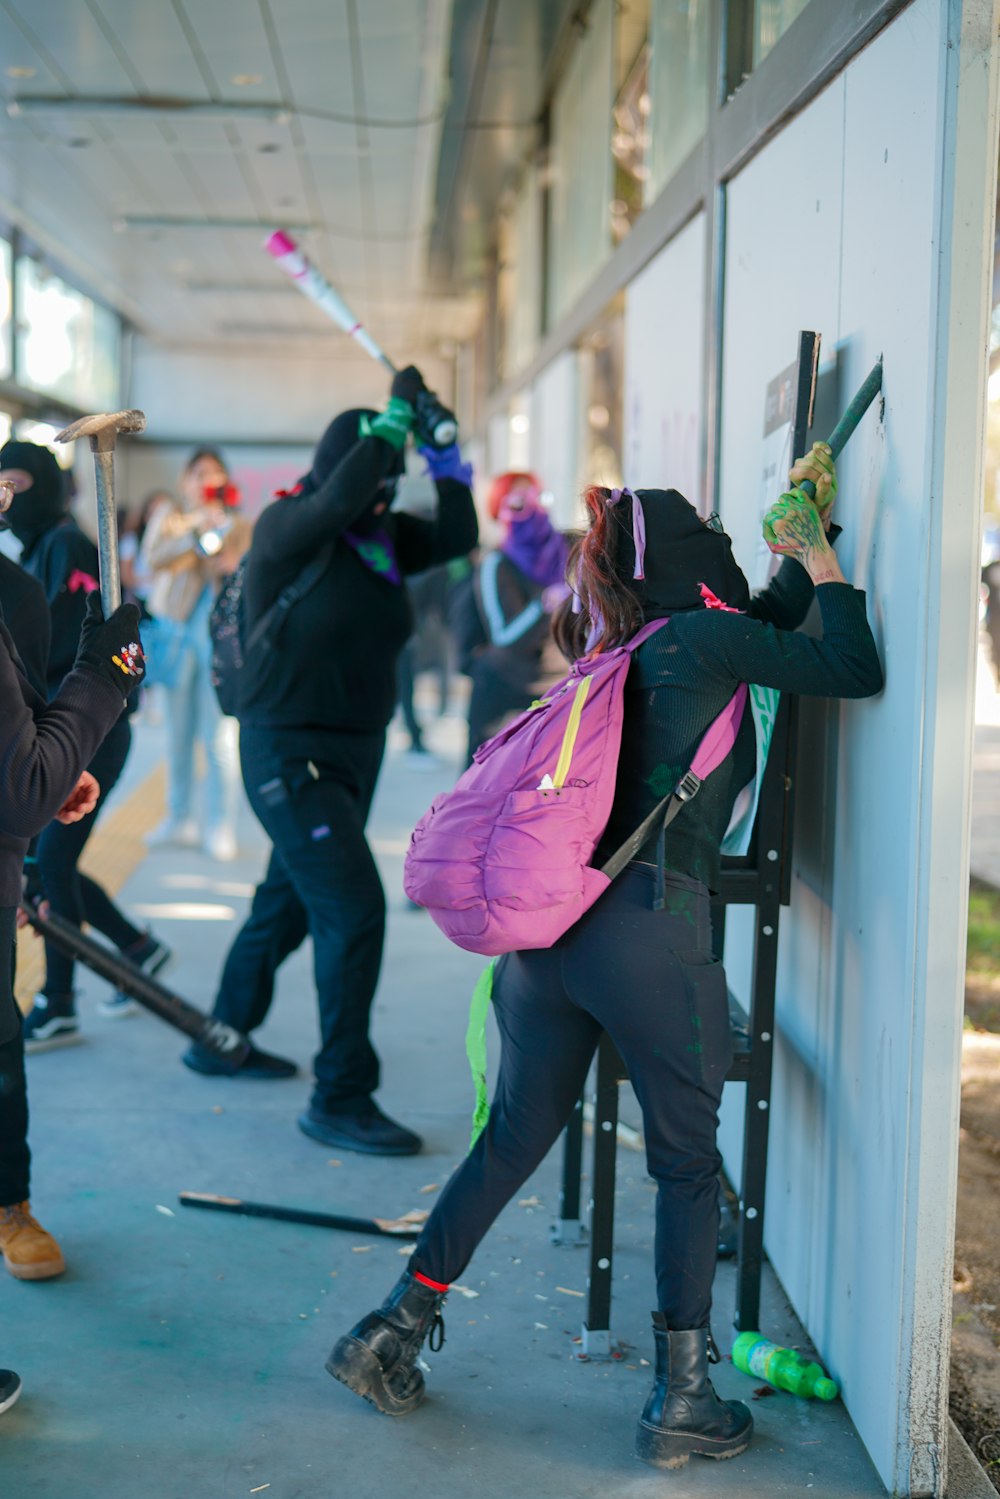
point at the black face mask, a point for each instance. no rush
(35, 510)
(683, 556)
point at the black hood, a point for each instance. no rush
(683, 556)
(36, 510)
(335, 444)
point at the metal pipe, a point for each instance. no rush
(850, 419)
(107, 532)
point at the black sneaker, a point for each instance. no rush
(152, 957)
(51, 1022)
(263, 1065)
(367, 1130)
(10, 1388)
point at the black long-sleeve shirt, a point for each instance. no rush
(25, 611)
(44, 747)
(335, 660)
(685, 675)
(64, 561)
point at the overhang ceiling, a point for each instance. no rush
(149, 147)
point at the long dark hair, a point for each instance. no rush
(603, 600)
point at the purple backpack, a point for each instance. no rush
(502, 861)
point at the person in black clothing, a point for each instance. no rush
(64, 561)
(500, 617)
(313, 719)
(646, 976)
(44, 747)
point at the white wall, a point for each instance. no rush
(844, 224)
(554, 436)
(277, 391)
(664, 361)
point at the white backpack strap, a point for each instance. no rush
(503, 631)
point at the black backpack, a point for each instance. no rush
(226, 626)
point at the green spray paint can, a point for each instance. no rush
(782, 1367)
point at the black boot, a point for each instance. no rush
(377, 1359)
(683, 1413)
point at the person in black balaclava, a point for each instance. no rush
(647, 976)
(313, 717)
(44, 747)
(64, 561)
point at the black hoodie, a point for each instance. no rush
(334, 665)
(685, 675)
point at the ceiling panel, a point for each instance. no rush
(71, 35)
(18, 52)
(313, 43)
(153, 38)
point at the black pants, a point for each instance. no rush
(74, 895)
(405, 683)
(321, 881)
(15, 1158)
(649, 979)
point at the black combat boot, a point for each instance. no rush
(683, 1413)
(377, 1359)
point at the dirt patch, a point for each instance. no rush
(975, 1354)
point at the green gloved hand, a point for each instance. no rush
(793, 527)
(819, 467)
(393, 424)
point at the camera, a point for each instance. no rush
(435, 424)
(221, 494)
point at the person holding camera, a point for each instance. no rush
(45, 747)
(63, 560)
(313, 718)
(639, 963)
(181, 551)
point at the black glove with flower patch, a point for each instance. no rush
(112, 646)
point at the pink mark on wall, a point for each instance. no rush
(258, 486)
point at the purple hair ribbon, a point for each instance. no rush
(638, 529)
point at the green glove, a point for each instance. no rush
(793, 526)
(818, 465)
(393, 424)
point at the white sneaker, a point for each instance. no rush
(170, 834)
(221, 845)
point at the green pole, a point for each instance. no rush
(850, 419)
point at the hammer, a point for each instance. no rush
(103, 431)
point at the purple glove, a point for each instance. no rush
(446, 463)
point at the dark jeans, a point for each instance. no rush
(649, 979)
(321, 881)
(15, 1158)
(70, 893)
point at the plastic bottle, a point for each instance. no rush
(782, 1367)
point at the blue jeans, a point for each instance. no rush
(193, 715)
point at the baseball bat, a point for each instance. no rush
(313, 284)
(224, 1040)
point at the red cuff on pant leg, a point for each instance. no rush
(425, 1280)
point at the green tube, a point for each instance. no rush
(850, 419)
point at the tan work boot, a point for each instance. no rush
(29, 1252)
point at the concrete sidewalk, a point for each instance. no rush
(181, 1357)
(985, 848)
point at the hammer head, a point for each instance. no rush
(103, 429)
